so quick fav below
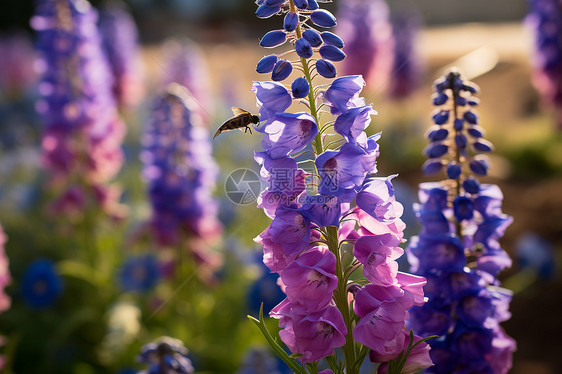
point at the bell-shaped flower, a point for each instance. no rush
(343, 171)
(323, 210)
(342, 90)
(287, 133)
(290, 229)
(417, 360)
(313, 335)
(310, 280)
(272, 98)
(352, 124)
(377, 199)
(378, 253)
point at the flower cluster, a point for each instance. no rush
(82, 130)
(181, 174)
(165, 356)
(316, 240)
(545, 19)
(367, 31)
(120, 42)
(457, 249)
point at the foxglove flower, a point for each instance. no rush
(310, 186)
(364, 26)
(457, 249)
(545, 20)
(181, 173)
(165, 356)
(82, 131)
(120, 43)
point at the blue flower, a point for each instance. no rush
(41, 284)
(165, 356)
(139, 273)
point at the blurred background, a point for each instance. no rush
(492, 41)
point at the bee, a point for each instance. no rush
(241, 119)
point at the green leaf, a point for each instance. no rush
(293, 364)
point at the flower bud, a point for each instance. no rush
(323, 18)
(332, 39)
(282, 70)
(326, 68)
(300, 88)
(291, 21)
(266, 64)
(303, 48)
(313, 37)
(329, 52)
(273, 39)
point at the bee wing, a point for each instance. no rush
(219, 130)
(238, 111)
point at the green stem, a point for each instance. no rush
(458, 161)
(340, 297)
(311, 99)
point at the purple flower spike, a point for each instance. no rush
(323, 18)
(288, 133)
(281, 70)
(312, 178)
(461, 219)
(273, 39)
(329, 52)
(326, 68)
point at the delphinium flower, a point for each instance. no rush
(120, 42)
(82, 130)
(365, 27)
(457, 249)
(317, 241)
(181, 174)
(407, 67)
(165, 356)
(545, 19)
(41, 284)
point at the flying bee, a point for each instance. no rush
(241, 119)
